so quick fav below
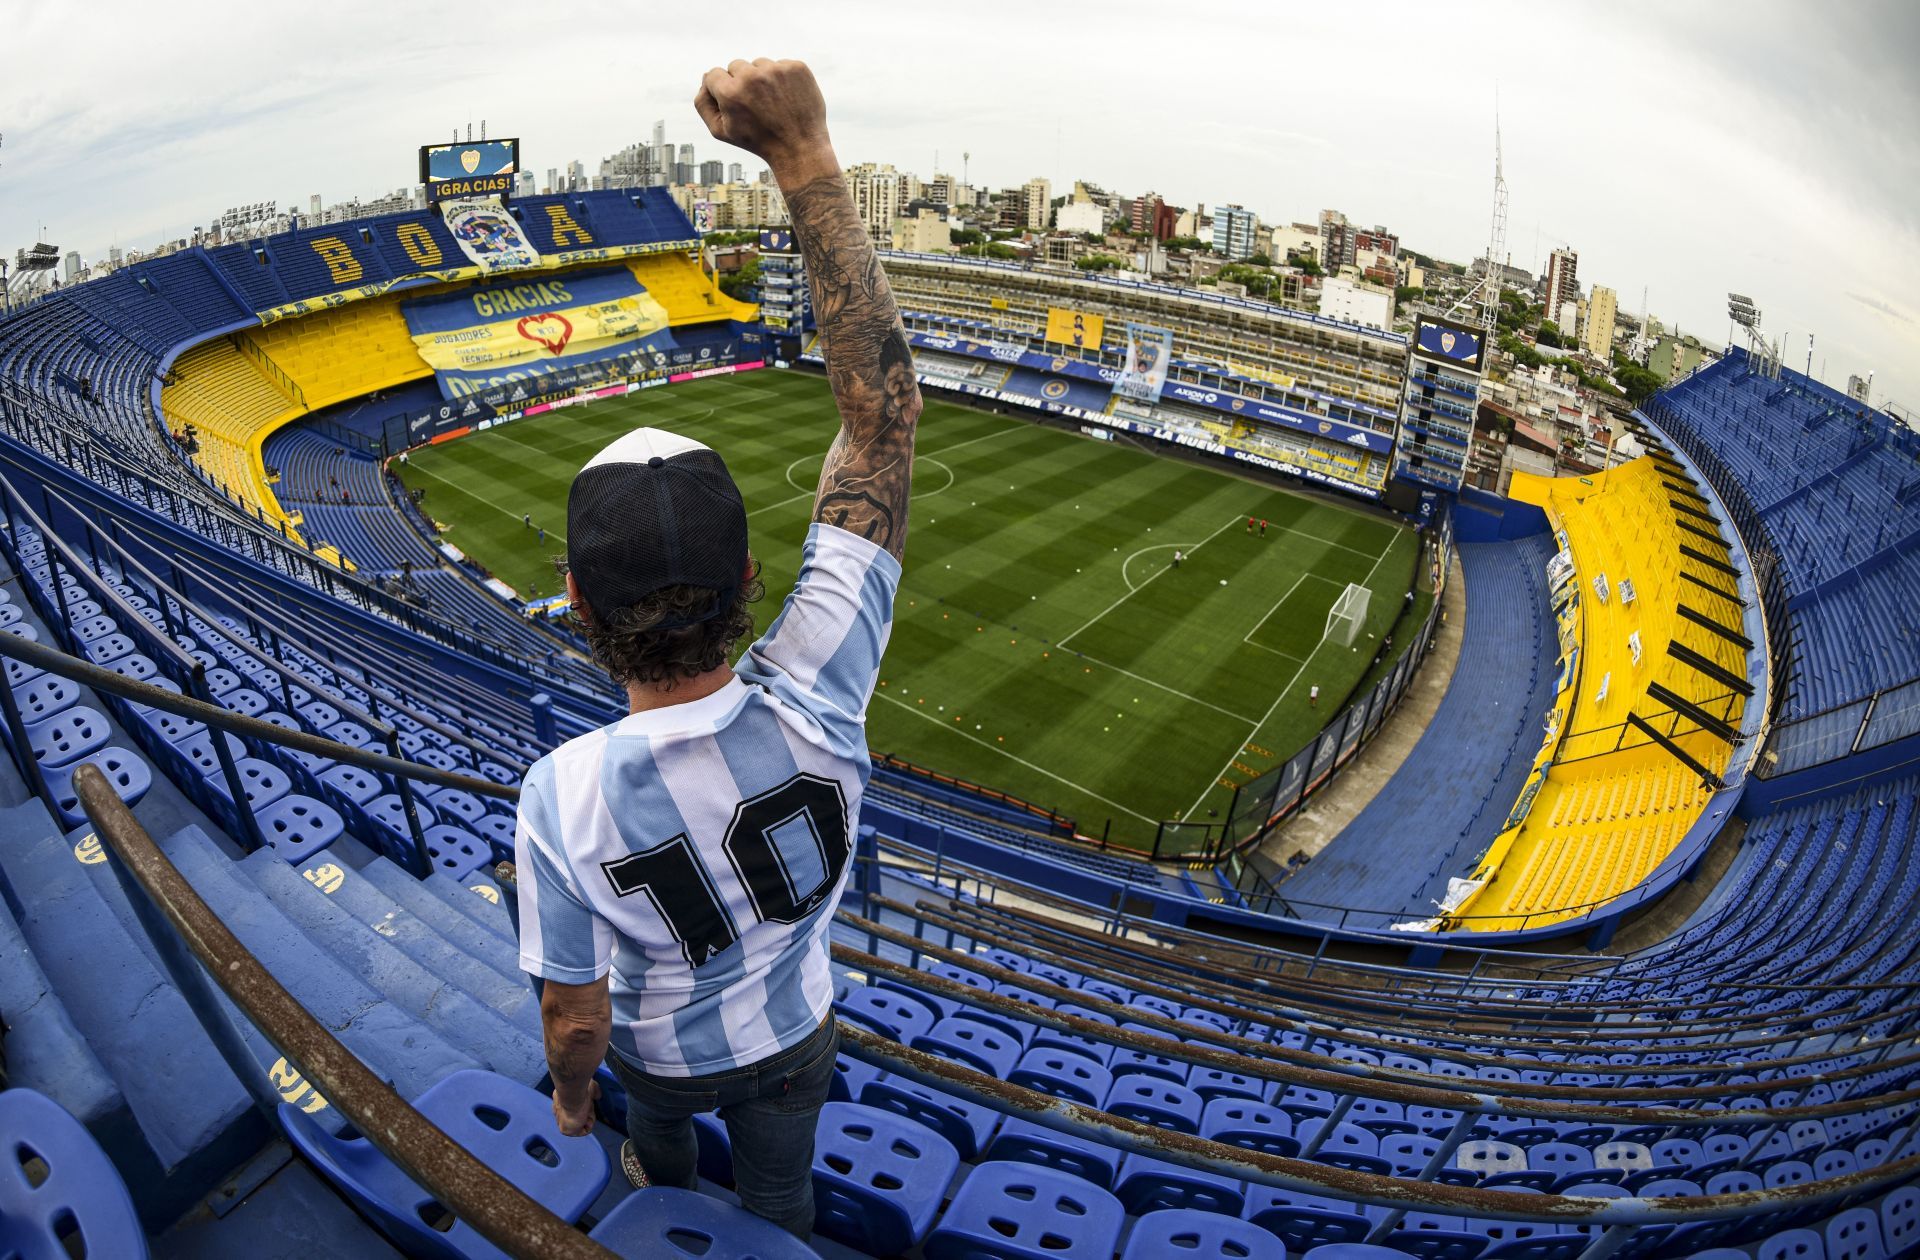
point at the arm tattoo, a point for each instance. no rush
(869, 470)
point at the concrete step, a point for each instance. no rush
(44, 1050)
(386, 1038)
(435, 1000)
(416, 937)
(481, 943)
(477, 898)
(193, 1121)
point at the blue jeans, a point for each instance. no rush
(770, 1109)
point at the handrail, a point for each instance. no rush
(1292, 1011)
(186, 932)
(1404, 1194)
(1304, 1067)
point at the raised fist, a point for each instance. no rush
(770, 108)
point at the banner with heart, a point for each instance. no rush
(534, 324)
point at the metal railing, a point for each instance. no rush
(201, 955)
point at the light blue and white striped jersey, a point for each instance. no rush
(698, 851)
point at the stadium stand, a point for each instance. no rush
(1026, 1070)
(1272, 380)
(1826, 487)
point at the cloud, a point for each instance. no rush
(1885, 308)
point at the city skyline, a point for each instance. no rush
(1673, 153)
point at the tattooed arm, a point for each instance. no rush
(774, 109)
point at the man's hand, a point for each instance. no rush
(573, 1109)
(772, 109)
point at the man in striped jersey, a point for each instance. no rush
(678, 869)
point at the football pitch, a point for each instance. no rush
(1043, 642)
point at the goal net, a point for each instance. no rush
(1348, 615)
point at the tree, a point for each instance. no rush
(1549, 334)
(1311, 266)
(740, 284)
(1100, 262)
(1259, 260)
(966, 236)
(1187, 242)
(1636, 382)
(1408, 293)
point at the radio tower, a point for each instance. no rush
(1497, 238)
(1489, 286)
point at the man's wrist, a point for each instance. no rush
(796, 169)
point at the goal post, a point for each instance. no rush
(1348, 615)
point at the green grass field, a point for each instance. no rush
(1043, 643)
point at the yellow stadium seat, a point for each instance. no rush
(1616, 803)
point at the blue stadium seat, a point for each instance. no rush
(1791, 1244)
(1199, 1236)
(60, 1196)
(1253, 1125)
(1146, 1184)
(1014, 1211)
(1023, 1141)
(968, 1125)
(1062, 1074)
(1303, 1221)
(664, 1222)
(889, 1014)
(298, 827)
(964, 1039)
(877, 1179)
(506, 1125)
(1154, 1101)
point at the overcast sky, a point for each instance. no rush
(1692, 149)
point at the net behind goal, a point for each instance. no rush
(1348, 615)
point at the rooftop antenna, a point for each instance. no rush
(483, 129)
(469, 133)
(964, 177)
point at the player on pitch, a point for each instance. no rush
(678, 869)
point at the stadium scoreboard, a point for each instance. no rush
(477, 168)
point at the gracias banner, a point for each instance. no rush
(512, 331)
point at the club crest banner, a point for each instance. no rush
(488, 235)
(518, 330)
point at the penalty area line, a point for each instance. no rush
(1012, 757)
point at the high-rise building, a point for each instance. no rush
(1336, 241)
(734, 174)
(553, 179)
(523, 184)
(73, 265)
(1563, 283)
(713, 172)
(1037, 202)
(686, 155)
(576, 176)
(1859, 388)
(1597, 336)
(876, 196)
(313, 205)
(1236, 232)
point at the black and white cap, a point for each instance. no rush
(655, 509)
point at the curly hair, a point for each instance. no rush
(669, 635)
